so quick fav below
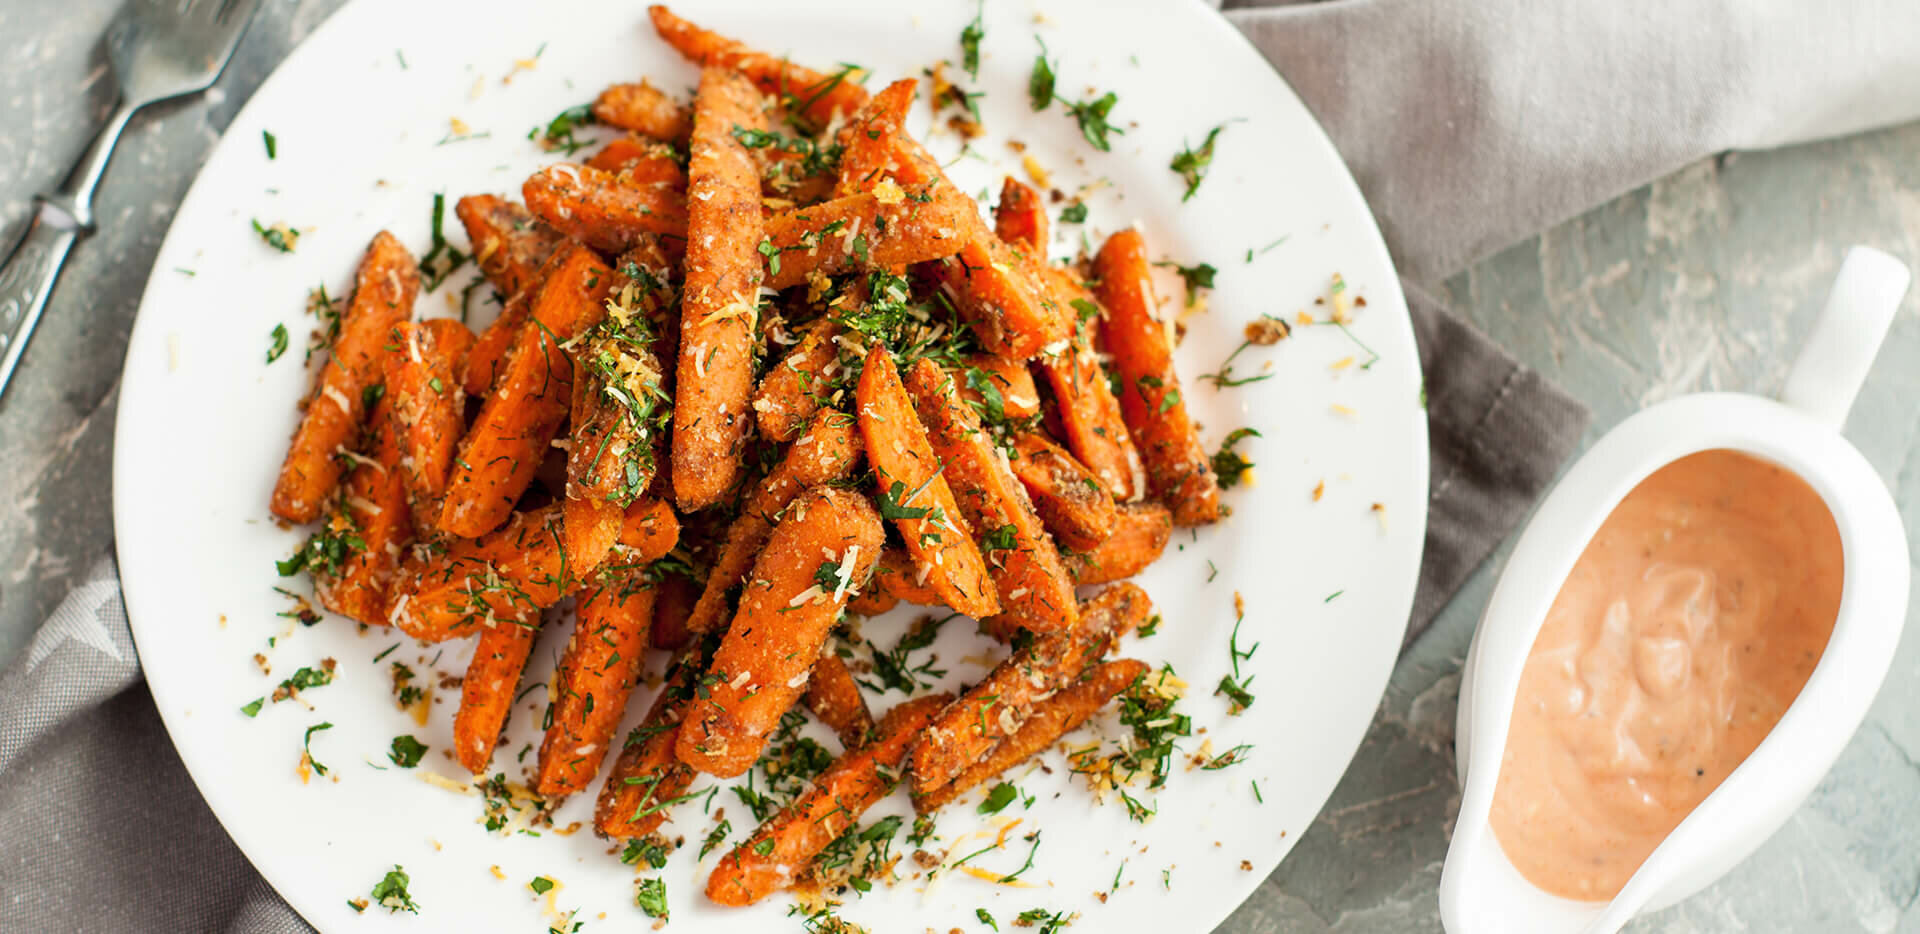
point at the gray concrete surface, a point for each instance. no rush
(1704, 280)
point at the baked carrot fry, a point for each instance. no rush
(1140, 533)
(995, 288)
(781, 849)
(844, 234)
(619, 388)
(649, 532)
(824, 546)
(1033, 586)
(504, 446)
(646, 779)
(967, 730)
(1017, 397)
(1052, 718)
(1087, 412)
(383, 292)
(790, 393)
(594, 679)
(1020, 218)
(827, 452)
(590, 528)
(1070, 501)
(644, 108)
(639, 161)
(998, 292)
(486, 694)
(719, 312)
(428, 409)
(915, 495)
(602, 209)
(820, 97)
(489, 353)
(1178, 471)
(511, 573)
(671, 609)
(867, 141)
(375, 510)
(509, 243)
(834, 698)
(900, 580)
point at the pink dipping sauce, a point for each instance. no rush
(1687, 627)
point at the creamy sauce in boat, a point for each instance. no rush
(1687, 627)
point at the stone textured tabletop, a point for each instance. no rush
(1706, 280)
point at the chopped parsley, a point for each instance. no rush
(650, 896)
(986, 918)
(279, 236)
(1197, 277)
(814, 158)
(893, 502)
(970, 42)
(896, 668)
(1092, 117)
(558, 134)
(992, 404)
(272, 144)
(1233, 686)
(441, 259)
(541, 885)
(715, 837)
(1075, 213)
(1191, 164)
(391, 893)
(325, 551)
(1228, 465)
(649, 850)
(406, 751)
(998, 798)
(1047, 922)
(1234, 756)
(253, 709)
(1040, 82)
(279, 345)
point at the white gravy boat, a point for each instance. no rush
(1480, 890)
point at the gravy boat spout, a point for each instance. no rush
(1481, 891)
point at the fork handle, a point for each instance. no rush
(25, 280)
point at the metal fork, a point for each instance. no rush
(160, 49)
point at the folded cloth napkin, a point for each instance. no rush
(1469, 123)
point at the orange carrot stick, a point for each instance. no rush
(826, 453)
(646, 779)
(498, 457)
(641, 162)
(791, 393)
(900, 580)
(1178, 470)
(1140, 533)
(865, 230)
(383, 292)
(820, 97)
(509, 243)
(594, 679)
(649, 532)
(719, 313)
(996, 707)
(619, 389)
(1052, 718)
(1021, 218)
(780, 850)
(428, 409)
(915, 495)
(508, 574)
(374, 509)
(644, 108)
(1070, 501)
(604, 210)
(1034, 589)
(824, 546)
(834, 698)
(1088, 414)
(867, 141)
(486, 694)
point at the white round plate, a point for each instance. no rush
(364, 114)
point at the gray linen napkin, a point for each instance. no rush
(1470, 123)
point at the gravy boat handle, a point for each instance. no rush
(1834, 362)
